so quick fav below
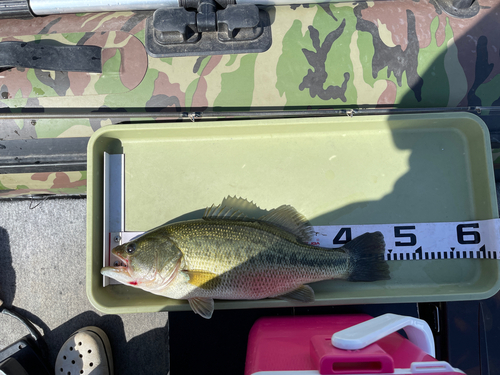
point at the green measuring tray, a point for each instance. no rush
(341, 170)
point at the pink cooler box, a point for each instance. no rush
(342, 344)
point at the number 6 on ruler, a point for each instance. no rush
(461, 234)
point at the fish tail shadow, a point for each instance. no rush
(367, 253)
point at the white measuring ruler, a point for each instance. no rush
(420, 241)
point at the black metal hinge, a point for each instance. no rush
(208, 30)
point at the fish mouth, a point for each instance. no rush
(123, 260)
(119, 272)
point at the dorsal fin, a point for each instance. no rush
(284, 217)
(250, 209)
(289, 219)
(233, 208)
(221, 212)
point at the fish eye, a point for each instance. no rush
(131, 248)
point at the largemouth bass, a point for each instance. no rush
(227, 255)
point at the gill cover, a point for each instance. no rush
(151, 261)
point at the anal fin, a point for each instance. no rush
(303, 293)
(202, 306)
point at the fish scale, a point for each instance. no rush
(206, 243)
(226, 255)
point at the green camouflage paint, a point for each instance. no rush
(110, 79)
(242, 91)
(405, 54)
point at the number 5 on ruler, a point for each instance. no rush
(411, 236)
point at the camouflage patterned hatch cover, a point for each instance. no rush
(402, 53)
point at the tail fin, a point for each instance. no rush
(367, 254)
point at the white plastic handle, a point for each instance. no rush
(432, 367)
(366, 333)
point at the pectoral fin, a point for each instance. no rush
(303, 293)
(203, 279)
(202, 306)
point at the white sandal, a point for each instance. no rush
(87, 351)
